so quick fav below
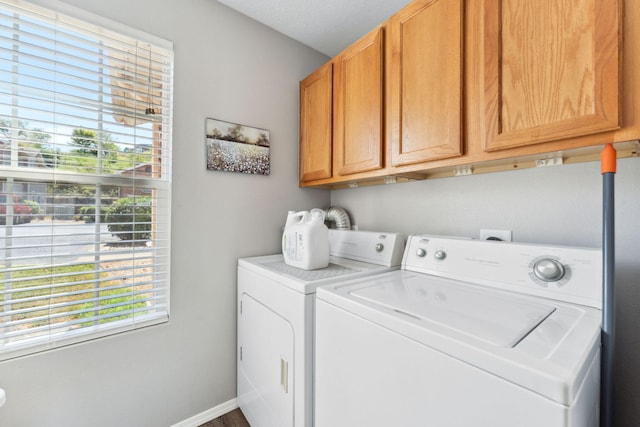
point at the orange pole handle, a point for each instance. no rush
(608, 159)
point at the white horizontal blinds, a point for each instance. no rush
(85, 79)
(85, 132)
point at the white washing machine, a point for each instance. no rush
(276, 304)
(467, 334)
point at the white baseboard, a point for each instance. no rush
(209, 414)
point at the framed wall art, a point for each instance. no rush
(231, 147)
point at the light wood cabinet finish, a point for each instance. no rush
(551, 70)
(539, 79)
(358, 137)
(424, 83)
(316, 118)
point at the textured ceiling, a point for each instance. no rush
(328, 26)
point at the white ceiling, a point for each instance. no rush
(328, 26)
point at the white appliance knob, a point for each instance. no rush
(379, 247)
(440, 255)
(421, 252)
(548, 270)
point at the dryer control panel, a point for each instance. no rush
(570, 274)
(367, 246)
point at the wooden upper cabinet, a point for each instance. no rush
(358, 98)
(316, 124)
(551, 70)
(424, 82)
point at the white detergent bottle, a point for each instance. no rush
(318, 241)
(290, 250)
(305, 241)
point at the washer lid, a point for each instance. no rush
(500, 319)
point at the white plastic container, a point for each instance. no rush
(305, 241)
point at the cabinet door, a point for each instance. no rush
(424, 92)
(358, 106)
(316, 125)
(551, 70)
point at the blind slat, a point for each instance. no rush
(54, 327)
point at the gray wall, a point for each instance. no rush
(227, 67)
(556, 205)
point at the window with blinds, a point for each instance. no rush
(85, 156)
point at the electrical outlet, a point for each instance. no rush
(504, 235)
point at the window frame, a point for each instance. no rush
(159, 185)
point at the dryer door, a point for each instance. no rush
(265, 380)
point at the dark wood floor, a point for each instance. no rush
(231, 419)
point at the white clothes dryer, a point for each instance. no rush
(467, 334)
(276, 310)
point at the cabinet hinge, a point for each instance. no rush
(462, 171)
(556, 161)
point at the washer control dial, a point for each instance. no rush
(421, 252)
(440, 255)
(379, 247)
(548, 270)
